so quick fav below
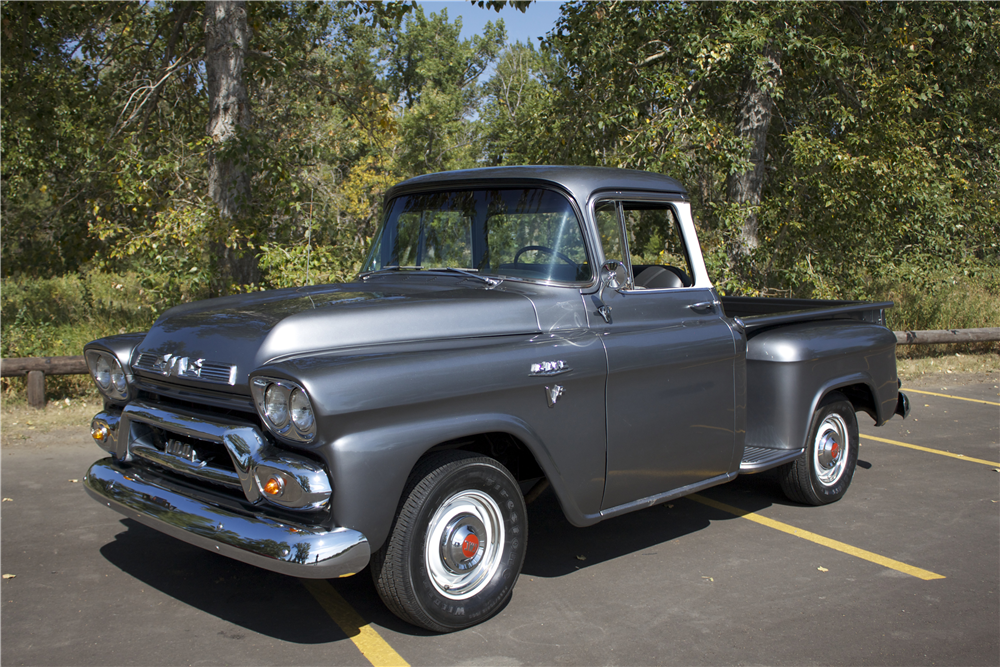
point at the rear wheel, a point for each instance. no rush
(457, 544)
(825, 470)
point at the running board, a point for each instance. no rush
(756, 459)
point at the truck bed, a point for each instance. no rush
(760, 313)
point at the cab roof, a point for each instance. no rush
(580, 182)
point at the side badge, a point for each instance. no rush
(548, 368)
(552, 394)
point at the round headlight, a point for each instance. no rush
(302, 412)
(276, 405)
(102, 373)
(118, 379)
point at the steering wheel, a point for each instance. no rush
(543, 248)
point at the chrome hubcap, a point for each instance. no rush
(830, 450)
(464, 543)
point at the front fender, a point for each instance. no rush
(367, 502)
(380, 409)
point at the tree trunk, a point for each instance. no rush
(227, 39)
(753, 118)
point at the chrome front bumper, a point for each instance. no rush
(295, 550)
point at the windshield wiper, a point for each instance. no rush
(491, 282)
(365, 275)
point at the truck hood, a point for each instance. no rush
(250, 330)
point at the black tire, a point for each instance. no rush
(457, 544)
(825, 470)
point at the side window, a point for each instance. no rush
(607, 214)
(656, 248)
(609, 227)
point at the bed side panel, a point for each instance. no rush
(791, 368)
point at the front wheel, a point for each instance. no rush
(457, 544)
(825, 470)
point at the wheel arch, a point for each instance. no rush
(504, 447)
(372, 467)
(860, 394)
(780, 418)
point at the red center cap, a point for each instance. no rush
(470, 546)
(835, 449)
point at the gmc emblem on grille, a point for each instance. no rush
(186, 367)
(168, 364)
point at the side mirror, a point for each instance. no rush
(614, 275)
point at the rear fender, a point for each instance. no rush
(790, 369)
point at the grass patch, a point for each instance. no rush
(57, 414)
(951, 304)
(943, 365)
(56, 317)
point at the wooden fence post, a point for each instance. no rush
(36, 389)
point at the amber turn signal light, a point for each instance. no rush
(100, 432)
(274, 486)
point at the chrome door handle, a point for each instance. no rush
(703, 306)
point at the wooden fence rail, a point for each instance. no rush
(36, 368)
(945, 336)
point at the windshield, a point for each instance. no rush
(511, 232)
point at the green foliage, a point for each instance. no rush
(58, 316)
(882, 156)
(300, 264)
(517, 109)
(434, 73)
(954, 302)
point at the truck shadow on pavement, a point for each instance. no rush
(263, 602)
(557, 548)
(279, 606)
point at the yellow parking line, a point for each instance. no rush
(926, 575)
(957, 398)
(960, 457)
(369, 642)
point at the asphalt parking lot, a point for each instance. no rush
(904, 571)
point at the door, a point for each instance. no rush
(671, 357)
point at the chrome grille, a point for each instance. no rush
(186, 367)
(191, 457)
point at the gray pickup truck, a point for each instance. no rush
(512, 328)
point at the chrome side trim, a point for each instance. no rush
(295, 550)
(643, 503)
